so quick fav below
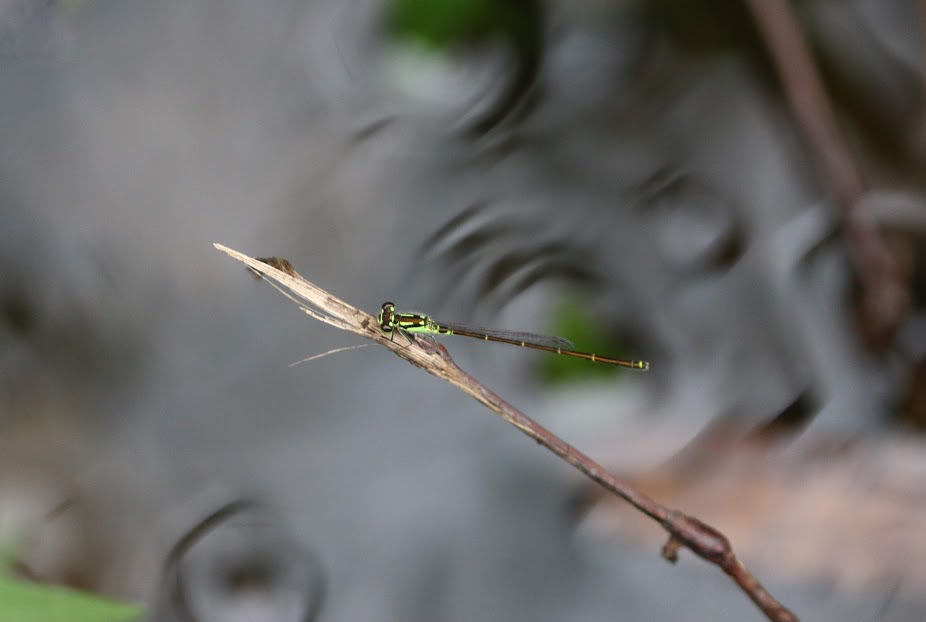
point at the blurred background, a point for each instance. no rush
(628, 174)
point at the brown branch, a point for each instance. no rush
(683, 530)
(882, 300)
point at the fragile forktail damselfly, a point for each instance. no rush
(416, 323)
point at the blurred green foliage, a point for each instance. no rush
(22, 601)
(572, 320)
(443, 24)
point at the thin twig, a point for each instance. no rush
(882, 302)
(683, 530)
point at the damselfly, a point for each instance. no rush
(417, 323)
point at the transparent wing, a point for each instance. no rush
(513, 335)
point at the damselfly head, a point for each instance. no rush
(387, 317)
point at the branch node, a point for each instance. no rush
(701, 538)
(670, 549)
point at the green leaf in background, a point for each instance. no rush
(441, 24)
(572, 320)
(7, 557)
(21, 601)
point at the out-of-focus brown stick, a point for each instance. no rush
(883, 300)
(683, 530)
(921, 136)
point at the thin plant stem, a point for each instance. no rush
(683, 530)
